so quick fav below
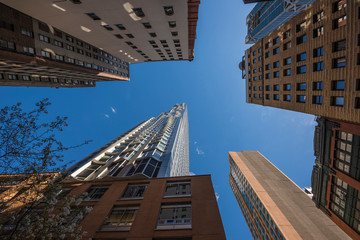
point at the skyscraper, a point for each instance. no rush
(287, 69)
(335, 178)
(157, 147)
(269, 15)
(66, 43)
(274, 207)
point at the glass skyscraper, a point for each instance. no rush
(157, 147)
(268, 16)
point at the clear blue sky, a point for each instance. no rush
(219, 119)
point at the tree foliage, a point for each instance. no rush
(31, 177)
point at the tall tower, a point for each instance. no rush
(157, 147)
(287, 68)
(273, 206)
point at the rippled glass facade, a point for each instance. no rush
(267, 16)
(157, 147)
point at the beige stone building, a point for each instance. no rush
(273, 206)
(76, 43)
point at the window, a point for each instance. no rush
(339, 5)
(6, 25)
(276, 64)
(357, 103)
(267, 87)
(69, 38)
(287, 61)
(96, 192)
(121, 218)
(287, 72)
(12, 77)
(254, 71)
(276, 40)
(174, 217)
(337, 101)
(71, 60)
(339, 45)
(79, 50)
(120, 26)
(267, 45)
(317, 52)
(58, 43)
(338, 85)
(174, 34)
(338, 196)
(147, 25)
(267, 76)
(276, 74)
(267, 54)
(318, 16)
(260, 58)
(301, 86)
(93, 16)
(339, 62)
(317, 86)
(129, 35)
(169, 10)
(276, 51)
(286, 34)
(172, 24)
(254, 78)
(108, 27)
(260, 77)
(317, 32)
(318, 66)
(301, 39)
(259, 50)
(59, 57)
(29, 50)
(69, 47)
(139, 12)
(44, 38)
(276, 87)
(287, 87)
(135, 191)
(301, 26)
(267, 67)
(339, 22)
(267, 96)
(26, 32)
(276, 97)
(301, 69)
(254, 60)
(152, 34)
(26, 77)
(301, 57)
(300, 98)
(317, 100)
(287, 97)
(45, 54)
(260, 69)
(287, 45)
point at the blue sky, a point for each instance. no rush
(219, 119)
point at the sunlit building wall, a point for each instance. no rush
(273, 206)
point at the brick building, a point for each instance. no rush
(150, 209)
(309, 64)
(336, 175)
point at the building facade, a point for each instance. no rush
(336, 174)
(287, 69)
(151, 209)
(269, 15)
(41, 45)
(273, 206)
(157, 147)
